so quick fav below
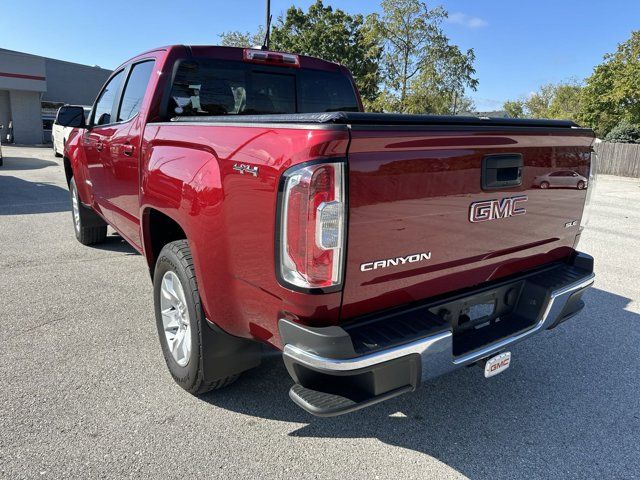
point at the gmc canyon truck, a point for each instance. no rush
(375, 251)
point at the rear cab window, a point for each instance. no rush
(221, 87)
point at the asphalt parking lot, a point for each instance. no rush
(84, 391)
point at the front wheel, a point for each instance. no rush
(580, 185)
(180, 320)
(88, 226)
(544, 185)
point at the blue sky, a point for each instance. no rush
(519, 44)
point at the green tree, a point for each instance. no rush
(243, 39)
(419, 64)
(401, 60)
(566, 103)
(560, 101)
(464, 105)
(612, 93)
(455, 73)
(514, 108)
(440, 85)
(624, 132)
(538, 103)
(335, 36)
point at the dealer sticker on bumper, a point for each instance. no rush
(497, 364)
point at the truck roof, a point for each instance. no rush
(236, 53)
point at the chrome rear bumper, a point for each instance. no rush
(315, 357)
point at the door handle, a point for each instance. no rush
(99, 146)
(128, 150)
(502, 170)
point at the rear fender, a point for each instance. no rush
(220, 184)
(184, 184)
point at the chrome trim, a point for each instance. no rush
(346, 364)
(587, 282)
(290, 126)
(244, 168)
(435, 350)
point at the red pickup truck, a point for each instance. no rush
(374, 250)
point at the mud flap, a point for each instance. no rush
(224, 355)
(89, 218)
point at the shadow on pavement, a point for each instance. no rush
(21, 197)
(567, 407)
(25, 163)
(115, 243)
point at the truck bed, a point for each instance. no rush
(412, 180)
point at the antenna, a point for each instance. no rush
(265, 44)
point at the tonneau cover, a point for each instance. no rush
(362, 118)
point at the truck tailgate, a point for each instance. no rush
(411, 195)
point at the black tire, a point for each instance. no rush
(544, 185)
(580, 185)
(88, 227)
(55, 152)
(176, 257)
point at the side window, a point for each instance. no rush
(104, 105)
(134, 90)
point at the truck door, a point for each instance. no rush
(97, 137)
(125, 145)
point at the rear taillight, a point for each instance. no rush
(312, 223)
(271, 58)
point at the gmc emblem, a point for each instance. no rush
(493, 209)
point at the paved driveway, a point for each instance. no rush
(84, 391)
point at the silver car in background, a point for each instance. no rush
(561, 179)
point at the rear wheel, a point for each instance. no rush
(544, 185)
(180, 319)
(88, 226)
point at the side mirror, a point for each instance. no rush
(71, 116)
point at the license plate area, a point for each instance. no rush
(497, 364)
(485, 317)
(477, 315)
(482, 309)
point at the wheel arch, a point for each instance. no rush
(68, 171)
(158, 229)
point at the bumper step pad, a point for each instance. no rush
(323, 404)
